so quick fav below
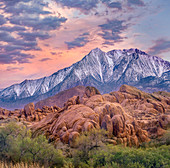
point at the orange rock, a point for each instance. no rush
(91, 91)
(93, 101)
(118, 95)
(120, 141)
(164, 121)
(72, 101)
(134, 141)
(107, 125)
(65, 137)
(131, 115)
(109, 98)
(118, 125)
(111, 141)
(72, 138)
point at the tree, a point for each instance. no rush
(87, 142)
(7, 134)
(17, 145)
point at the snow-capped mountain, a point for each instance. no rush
(105, 71)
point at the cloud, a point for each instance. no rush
(53, 53)
(37, 23)
(44, 59)
(28, 14)
(6, 37)
(21, 45)
(14, 57)
(86, 5)
(117, 5)
(112, 31)
(58, 54)
(9, 68)
(2, 20)
(47, 45)
(160, 46)
(12, 29)
(85, 34)
(111, 4)
(36, 7)
(33, 36)
(13, 2)
(83, 5)
(18, 44)
(80, 41)
(135, 2)
(30, 21)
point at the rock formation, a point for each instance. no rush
(129, 115)
(29, 114)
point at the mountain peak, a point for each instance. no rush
(106, 71)
(96, 49)
(94, 53)
(134, 50)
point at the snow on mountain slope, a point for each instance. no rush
(106, 71)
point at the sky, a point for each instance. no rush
(39, 37)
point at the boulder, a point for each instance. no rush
(72, 101)
(164, 121)
(118, 125)
(29, 109)
(72, 138)
(111, 141)
(107, 125)
(91, 91)
(109, 98)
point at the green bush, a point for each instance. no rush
(92, 152)
(87, 143)
(17, 145)
(132, 157)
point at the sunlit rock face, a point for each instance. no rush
(130, 116)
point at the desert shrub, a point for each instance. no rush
(86, 143)
(18, 148)
(165, 139)
(92, 152)
(132, 157)
(17, 145)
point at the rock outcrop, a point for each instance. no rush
(64, 125)
(29, 114)
(151, 111)
(129, 115)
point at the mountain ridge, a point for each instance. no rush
(104, 70)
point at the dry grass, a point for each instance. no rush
(18, 165)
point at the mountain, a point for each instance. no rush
(62, 97)
(107, 71)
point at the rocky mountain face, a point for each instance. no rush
(130, 116)
(60, 98)
(106, 71)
